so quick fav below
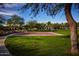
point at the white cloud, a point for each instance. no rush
(9, 13)
(14, 5)
(10, 9)
(10, 5)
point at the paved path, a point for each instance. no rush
(4, 51)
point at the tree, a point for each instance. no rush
(49, 25)
(73, 28)
(42, 26)
(56, 26)
(64, 26)
(15, 22)
(32, 24)
(2, 20)
(53, 9)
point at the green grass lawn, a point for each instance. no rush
(39, 45)
(65, 32)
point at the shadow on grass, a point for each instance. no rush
(23, 51)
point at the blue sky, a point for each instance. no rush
(41, 17)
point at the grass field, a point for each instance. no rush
(40, 46)
(65, 32)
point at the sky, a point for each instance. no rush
(41, 17)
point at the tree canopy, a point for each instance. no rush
(15, 21)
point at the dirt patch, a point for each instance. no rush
(38, 34)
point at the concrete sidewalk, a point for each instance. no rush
(3, 50)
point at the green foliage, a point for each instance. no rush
(49, 8)
(33, 25)
(15, 21)
(2, 20)
(64, 32)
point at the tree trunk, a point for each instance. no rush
(73, 29)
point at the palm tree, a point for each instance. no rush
(53, 9)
